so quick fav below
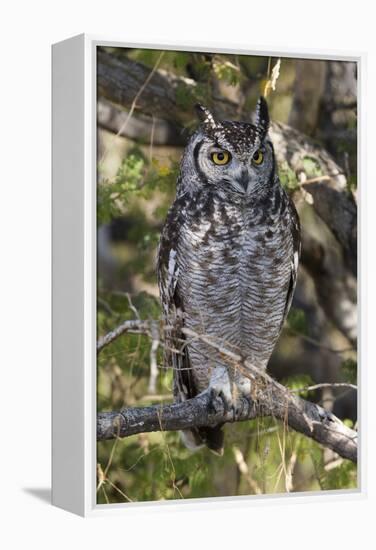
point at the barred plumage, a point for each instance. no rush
(227, 260)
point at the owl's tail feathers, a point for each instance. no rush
(196, 438)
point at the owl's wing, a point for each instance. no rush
(175, 352)
(296, 249)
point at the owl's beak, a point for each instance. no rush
(243, 179)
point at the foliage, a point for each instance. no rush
(226, 71)
(287, 177)
(350, 370)
(311, 167)
(298, 382)
(136, 177)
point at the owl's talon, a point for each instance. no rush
(234, 409)
(219, 402)
(326, 416)
(244, 407)
(238, 410)
(216, 403)
(220, 388)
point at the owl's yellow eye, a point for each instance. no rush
(258, 157)
(221, 157)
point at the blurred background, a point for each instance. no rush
(145, 114)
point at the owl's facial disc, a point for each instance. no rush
(230, 156)
(239, 170)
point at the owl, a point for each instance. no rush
(227, 261)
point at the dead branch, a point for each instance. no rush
(136, 98)
(302, 416)
(326, 385)
(139, 127)
(269, 399)
(135, 327)
(120, 80)
(244, 470)
(152, 388)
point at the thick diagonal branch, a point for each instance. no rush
(300, 415)
(269, 399)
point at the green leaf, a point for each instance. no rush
(311, 167)
(287, 177)
(297, 382)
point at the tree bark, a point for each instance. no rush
(302, 416)
(139, 128)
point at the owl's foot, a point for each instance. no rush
(243, 386)
(243, 408)
(220, 389)
(243, 401)
(233, 398)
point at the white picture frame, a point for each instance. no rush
(74, 277)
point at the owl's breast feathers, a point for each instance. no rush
(229, 271)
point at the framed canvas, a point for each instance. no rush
(205, 275)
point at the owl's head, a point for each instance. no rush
(235, 157)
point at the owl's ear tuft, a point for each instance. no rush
(206, 116)
(262, 117)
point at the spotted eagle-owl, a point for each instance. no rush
(227, 260)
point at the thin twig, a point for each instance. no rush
(244, 470)
(132, 306)
(325, 385)
(289, 483)
(152, 387)
(151, 139)
(118, 490)
(316, 179)
(135, 327)
(132, 108)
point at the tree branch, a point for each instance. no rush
(135, 327)
(119, 81)
(303, 416)
(138, 128)
(269, 398)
